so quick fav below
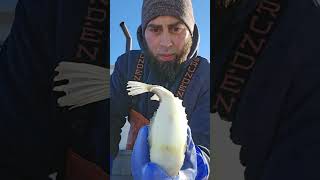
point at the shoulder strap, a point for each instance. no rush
(92, 42)
(138, 73)
(186, 78)
(184, 82)
(242, 59)
(91, 50)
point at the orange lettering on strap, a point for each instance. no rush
(243, 61)
(259, 30)
(256, 46)
(227, 105)
(231, 83)
(92, 53)
(96, 15)
(270, 7)
(187, 78)
(139, 69)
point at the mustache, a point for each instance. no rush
(166, 52)
(162, 54)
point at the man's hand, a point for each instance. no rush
(143, 169)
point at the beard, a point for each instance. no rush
(167, 71)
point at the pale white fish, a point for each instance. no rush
(168, 127)
(86, 83)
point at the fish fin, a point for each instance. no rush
(136, 88)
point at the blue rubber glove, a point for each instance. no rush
(143, 169)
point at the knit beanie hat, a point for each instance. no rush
(182, 9)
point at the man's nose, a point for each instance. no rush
(165, 40)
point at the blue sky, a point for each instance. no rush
(129, 11)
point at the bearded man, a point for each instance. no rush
(168, 37)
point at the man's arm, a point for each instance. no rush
(119, 103)
(200, 128)
(199, 121)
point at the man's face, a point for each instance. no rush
(169, 42)
(166, 38)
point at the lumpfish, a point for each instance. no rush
(168, 127)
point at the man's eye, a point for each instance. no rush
(154, 30)
(177, 29)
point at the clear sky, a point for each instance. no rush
(129, 11)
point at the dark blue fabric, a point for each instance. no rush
(34, 134)
(277, 117)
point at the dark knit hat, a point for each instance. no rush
(182, 9)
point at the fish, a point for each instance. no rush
(168, 127)
(87, 84)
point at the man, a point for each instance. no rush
(271, 96)
(168, 37)
(38, 140)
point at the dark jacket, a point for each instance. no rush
(34, 133)
(196, 99)
(276, 120)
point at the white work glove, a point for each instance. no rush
(87, 83)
